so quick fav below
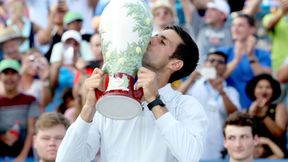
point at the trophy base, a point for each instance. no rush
(118, 107)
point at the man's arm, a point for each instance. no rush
(82, 139)
(185, 136)
(28, 141)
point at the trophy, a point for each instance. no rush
(125, 30)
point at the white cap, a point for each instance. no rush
(220, 5)
(71, 34)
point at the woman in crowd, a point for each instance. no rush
(271, 117)
(35, 77)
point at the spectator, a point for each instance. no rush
(35, 73)
(271, 118)
(218, 100)
(81, 48)
(276, 23)
(63, 68)
(73, 21)
(267, 149)
(10, 41)
(244, 59)
(15, 108)
(50, 129)
(240, 137)
(22, 24)
(95, 43)
(53, 32)
(164, 15)
(86, 8)
(213, 30)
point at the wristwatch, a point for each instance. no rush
(156, 102)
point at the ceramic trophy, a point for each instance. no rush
(125, 31)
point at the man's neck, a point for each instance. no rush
(248, 159)
(11, 94)
(41, 160)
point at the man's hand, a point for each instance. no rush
(95, 81)
(284, 7)
(258, 108)
(250, 46)
(217, 84)
(147, 80)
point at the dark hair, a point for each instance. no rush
(240, 119)
(220, 53)
(187, 52)
(251, 85)
(249, 19)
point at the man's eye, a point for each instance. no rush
(162, 42)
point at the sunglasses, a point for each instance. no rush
(219, 61)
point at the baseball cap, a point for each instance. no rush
(72, 16)
(71, 34)
(220, 5)
(9, 64)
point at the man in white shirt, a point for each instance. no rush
(218, 100)
(172, 127)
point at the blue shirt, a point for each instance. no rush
(244, 72)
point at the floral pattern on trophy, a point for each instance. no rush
(129, 60)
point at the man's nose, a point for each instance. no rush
(154, 40)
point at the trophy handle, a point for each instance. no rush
(138, 93)
(98, 93)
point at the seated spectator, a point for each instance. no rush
(240, 138)
(244, 60)
(18, 113)
(34, 81)
(218, 100)
(267, 149)
(271, 118)
(276, 23)
(10, 41)
(50, 129)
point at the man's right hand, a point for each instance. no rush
(95, 81)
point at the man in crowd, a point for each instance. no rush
(50, 129)
(218, 99)
(10, 41)
(240, 137)
(244, 60)
(15, 108)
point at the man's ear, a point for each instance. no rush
(176, 64)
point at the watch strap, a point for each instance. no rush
(155, 102)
